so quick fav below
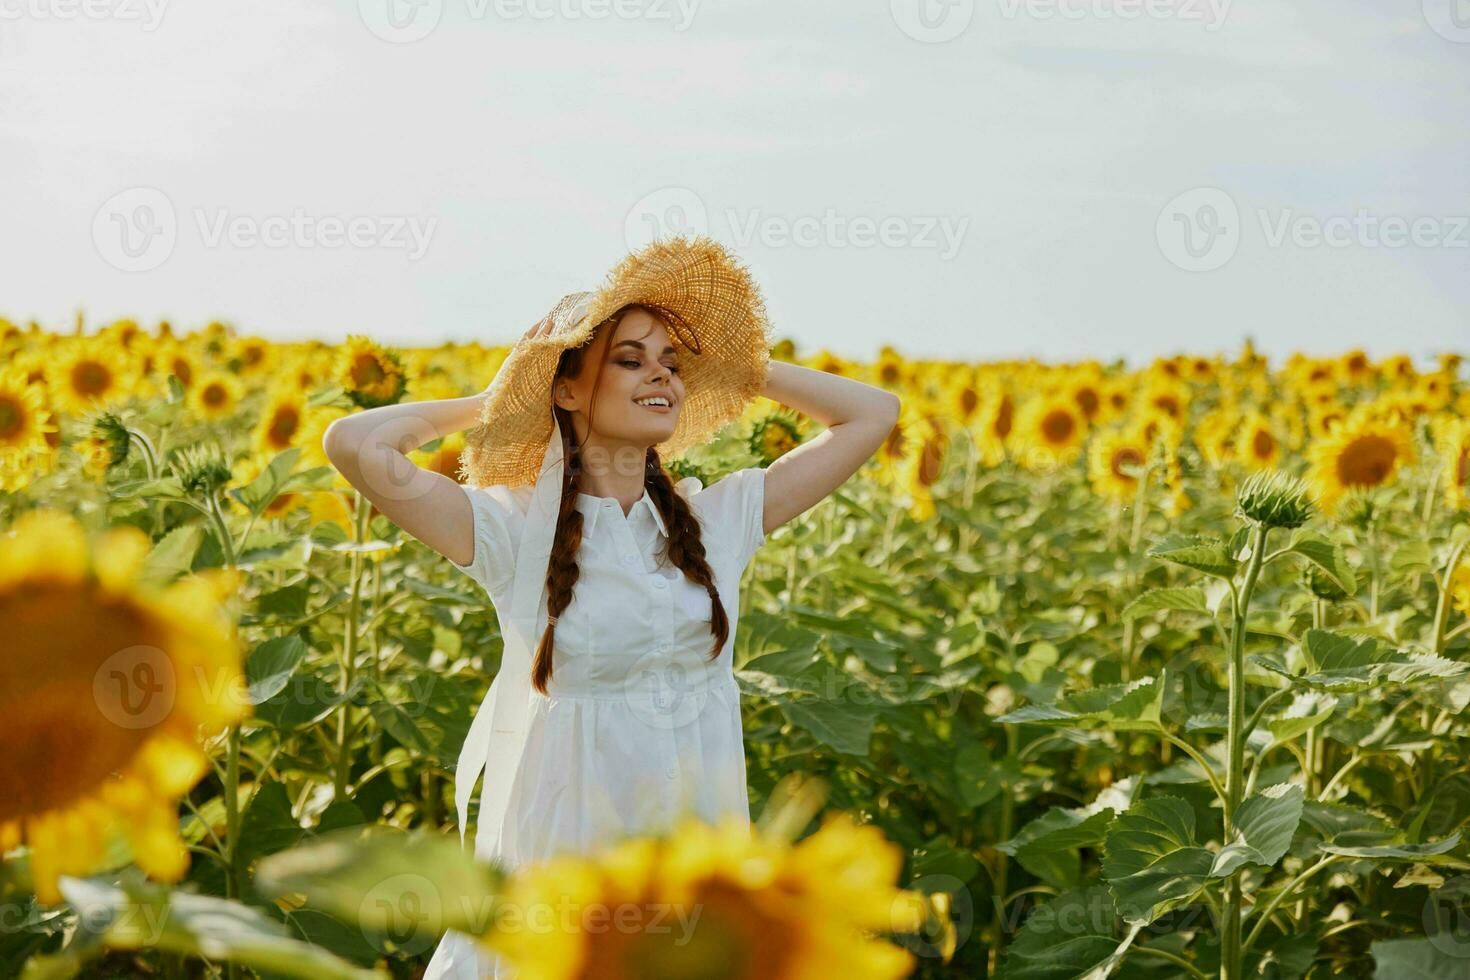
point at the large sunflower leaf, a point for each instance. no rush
(1072, 937)
(1264, 826)
(1439, 958)
(1152, 863)
(1404, 852)
(1121, 707)
(1043, 844)
(1337, 663)
(1327, 555)
(1188, 599)
(1208, 555)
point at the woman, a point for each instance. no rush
(615, 709)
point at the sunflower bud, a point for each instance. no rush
(1321, 585)
(201, 468)
(1274, 499)
(1358, 508)
(113, 434)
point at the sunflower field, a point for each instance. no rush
(1093, 670)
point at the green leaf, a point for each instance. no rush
(144, 915)
(1072, 937)
(1440, 958)
(1401, 852)
(1338, 663)
(1122, 707)
(1058, 833)
(1326, 554)
(257, 495)
(174, 554)
(269, 667)
(1208, 555)
(847, 728)
(1151, 862)
(166, 488)
(407, 884)
(1264, 826)
(1190, 599)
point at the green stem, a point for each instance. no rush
(1230, 963)
(1446, 593)
(1002, 863)
(1264, 915)
(1174, 958)
(349, 653)
(1200, 760)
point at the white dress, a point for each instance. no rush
(639, 726)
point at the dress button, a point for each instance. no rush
(672, 772)
(659, 582)
(630, 559)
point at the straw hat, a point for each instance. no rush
(725, 367)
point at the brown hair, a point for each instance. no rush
(684, 548)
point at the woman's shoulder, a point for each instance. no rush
(732, 509)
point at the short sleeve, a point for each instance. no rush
(499, 515)
(733, 509)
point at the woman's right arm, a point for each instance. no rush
(369, 448)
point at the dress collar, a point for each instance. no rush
(591, 506)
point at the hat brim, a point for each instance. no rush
(694, 277)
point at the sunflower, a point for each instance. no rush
(1453, 444)
(1358, 454)
(713, 901)
(104, 685)
(1257, 446)
(279, 427)
(1115, 464)
(24, 421)
(995, 422)
(216, 396)
(1460, 587)
(1049, 431)
(444, 458)
(829, 362)
(1214, 436)
(178, 361)
(922, 467)
(1171, 400)
(1354, 368)
(890, 371)
(962, 398)
(89, 374)
(252, 357)
(371, 375)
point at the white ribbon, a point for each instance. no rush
(499, 728)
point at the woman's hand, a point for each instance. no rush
(540, 328)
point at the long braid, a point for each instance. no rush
(562, 571)
(685, 544)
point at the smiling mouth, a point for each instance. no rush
(655, 406)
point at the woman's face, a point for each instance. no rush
(639, 362)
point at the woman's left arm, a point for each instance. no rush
(857, 416)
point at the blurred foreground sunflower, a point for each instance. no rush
(1116, 463)
(105, 687)
(715, 903)
(1049, 432)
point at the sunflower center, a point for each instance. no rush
(1366, 461)
(931, 458)
(889, 374)
(284, 424)
(75, 705)
(1126, 456)
(1003, 418)
(1462, 468)
(1263, 443)
(969, 401)
(213, 395)
(1167, 404)
(90, 378)
(1057, 426)
(366, 371)
(12, 417)
(183, 371)
(1088, 401)
(721, 935)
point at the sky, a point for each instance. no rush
(966, 179)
